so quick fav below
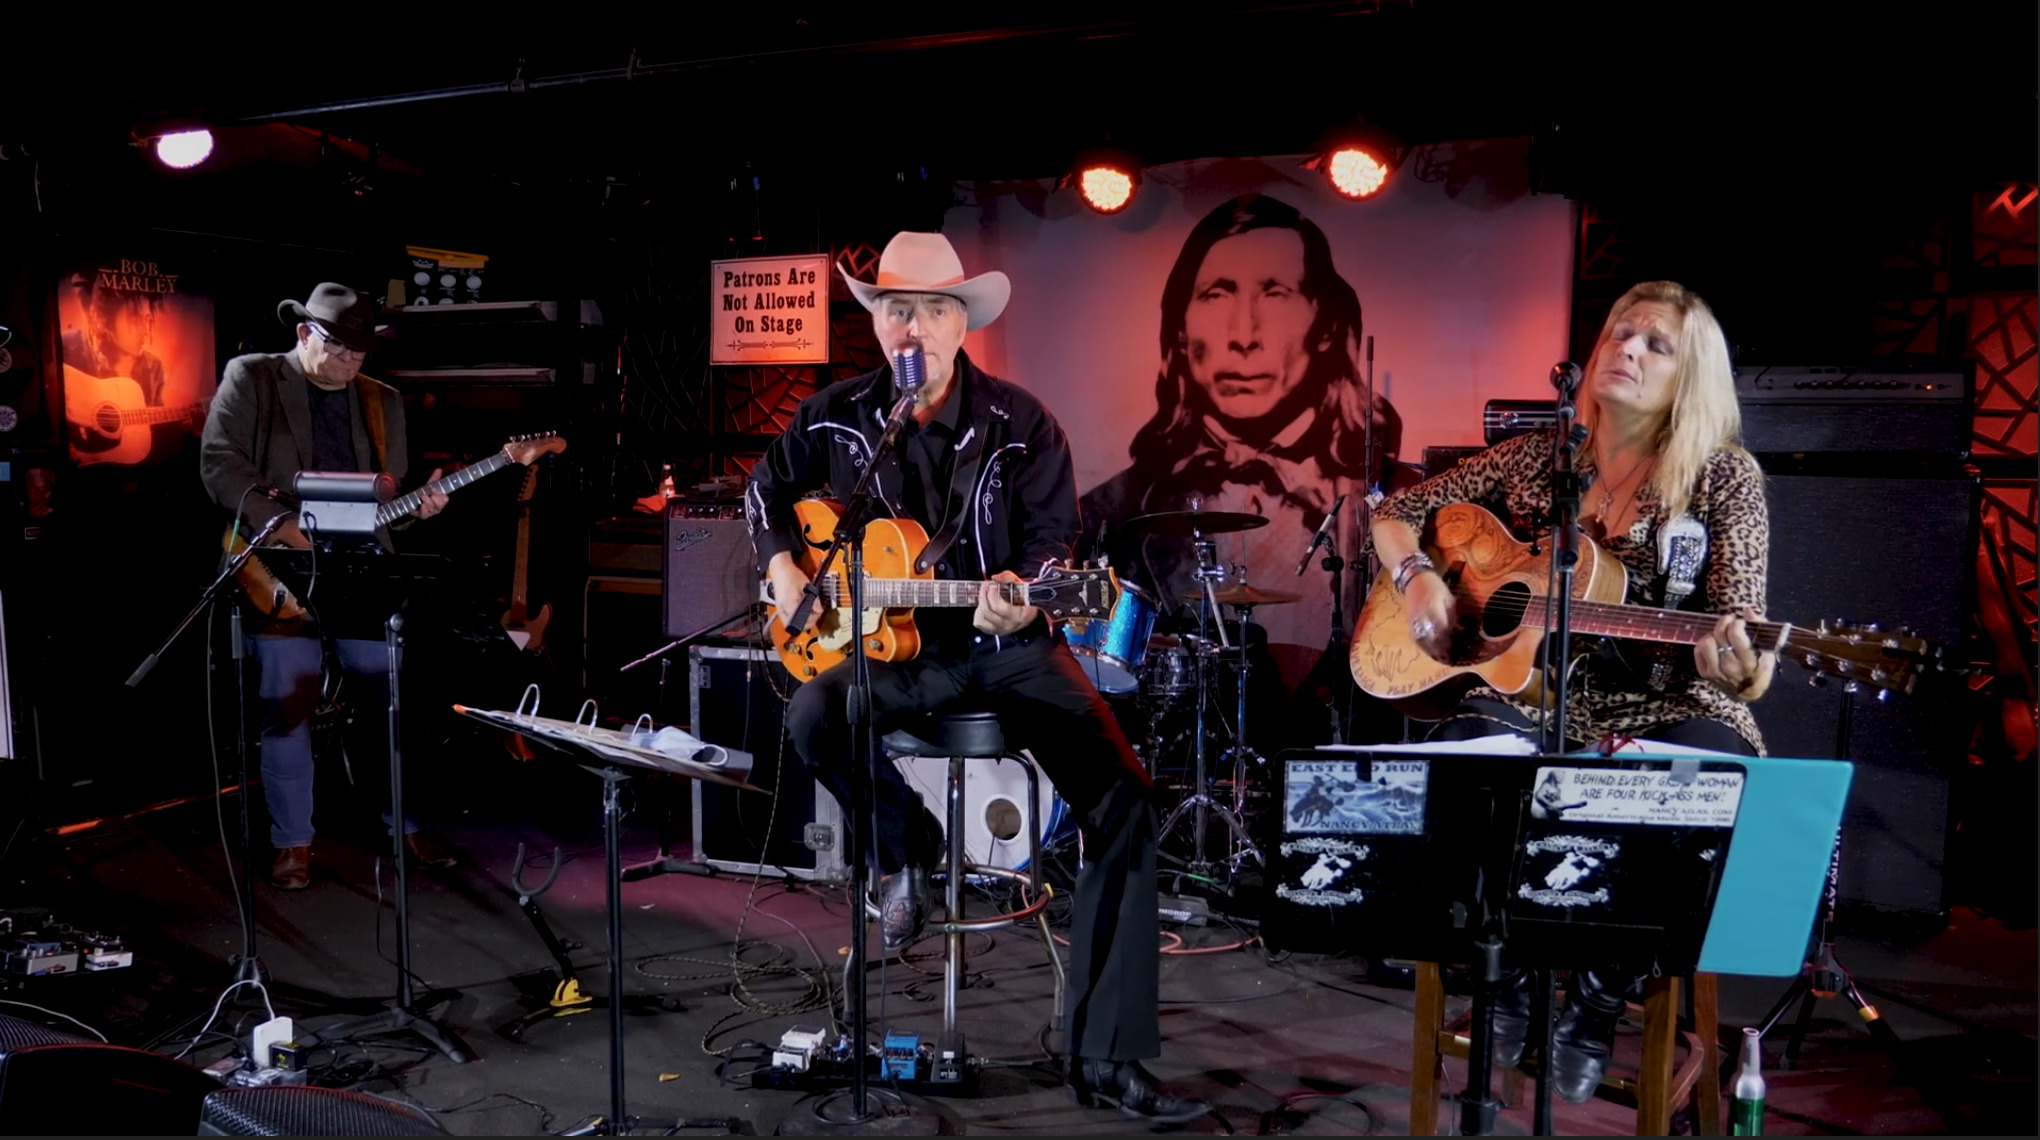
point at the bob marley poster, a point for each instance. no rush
(1242, 339)
(138, 372)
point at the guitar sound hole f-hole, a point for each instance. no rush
(1503, 613)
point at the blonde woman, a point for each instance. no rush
(1658, 399)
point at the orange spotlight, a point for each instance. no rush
(1357, 160)
(1107, 179)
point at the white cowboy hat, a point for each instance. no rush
(927, 263)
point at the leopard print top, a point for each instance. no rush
(1513, 480)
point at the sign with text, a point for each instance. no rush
(769, 310)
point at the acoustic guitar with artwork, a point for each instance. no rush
(1499, 587)
(102, 409)
(269, 595)
(893, 590)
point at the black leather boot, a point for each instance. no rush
(1129, 1087)
(1512, 1017)
(1585, 1036)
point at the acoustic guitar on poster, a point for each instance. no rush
(102, 409)
(1498, 586)
(893, 590)
(272, 599)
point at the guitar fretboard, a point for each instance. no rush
(917, 593)
(404, 506)
(1642, 623)
(158, 415)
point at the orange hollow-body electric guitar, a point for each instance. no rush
(893, 590)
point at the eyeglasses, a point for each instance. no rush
(333, 344)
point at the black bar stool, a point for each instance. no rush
(963, 737)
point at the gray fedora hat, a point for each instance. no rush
(347, 315)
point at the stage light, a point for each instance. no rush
(1106, 178)
(182, 150)
(1357, 160)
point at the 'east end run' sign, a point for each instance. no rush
(769, 310)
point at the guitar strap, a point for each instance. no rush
(372, 411)
(961, 485)
(1682, 547)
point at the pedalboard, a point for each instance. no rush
(806, 1059)
(35, 945)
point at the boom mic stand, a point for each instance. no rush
(904, 1115)
(247, 964)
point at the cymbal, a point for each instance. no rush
(1189, 524)
(1248, 596)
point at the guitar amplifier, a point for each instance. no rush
(1899, 408)
(739, 697)
(709, 569)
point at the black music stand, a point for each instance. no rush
(350, 592)
(1528, 858)
(612, 756)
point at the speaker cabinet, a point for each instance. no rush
(739, 702)
(710, 570)
(1897, 551)
(303, 1110)
(55, 1084)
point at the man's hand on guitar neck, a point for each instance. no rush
(997, 616)
(431, 500)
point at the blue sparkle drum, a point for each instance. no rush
(1111, 650)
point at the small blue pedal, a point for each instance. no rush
(900, 1058)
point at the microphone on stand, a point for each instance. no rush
(1565, 376)
(910, 368)
(1324, 531)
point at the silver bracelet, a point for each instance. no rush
(1409, 568)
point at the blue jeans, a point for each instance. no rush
(289, 689)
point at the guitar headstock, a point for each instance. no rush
(529, 449)
(1074, 593)
(1866, 654)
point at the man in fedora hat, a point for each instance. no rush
(276, 414)
(987, 471)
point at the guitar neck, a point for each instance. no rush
(404, 506)
(1642, 623)
(140, 416)
(919, 593)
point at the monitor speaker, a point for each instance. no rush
(57, 1084)
(1897, 551)
(304, 1110)
(739, 699)
(711, 573)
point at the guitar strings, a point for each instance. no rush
(1518, 607)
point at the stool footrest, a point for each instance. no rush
(1042, 894)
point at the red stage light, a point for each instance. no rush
(1354, 172)
(182, 150)
(1106, 189)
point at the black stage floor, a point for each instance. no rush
(1251, 1035)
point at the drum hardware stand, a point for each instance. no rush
(1200, 804)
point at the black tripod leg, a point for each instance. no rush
(1800, 1026)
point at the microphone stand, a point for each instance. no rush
(247, 966)
(858, 511)
(1565, 552)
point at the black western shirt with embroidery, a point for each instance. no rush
(993, 456)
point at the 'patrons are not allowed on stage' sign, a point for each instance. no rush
(769, 310)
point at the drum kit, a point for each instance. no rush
(1126, 658)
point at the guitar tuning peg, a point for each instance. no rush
(1817, 680)
(1883, 696)
(1851, 687)
(1872, 627)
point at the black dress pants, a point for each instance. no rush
(1044, 704)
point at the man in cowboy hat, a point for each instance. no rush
(987, 471)
(276, 414)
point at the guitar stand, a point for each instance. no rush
(568, 998)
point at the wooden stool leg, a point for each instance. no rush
(1660, 1032)
(1707, 1025)
(1429, 1022)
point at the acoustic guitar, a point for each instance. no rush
(1499, 588)
(893, 590)
(272, 599)
(101, 409)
